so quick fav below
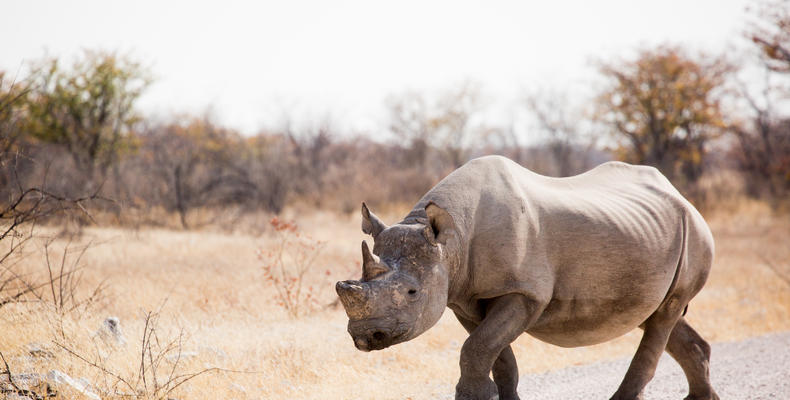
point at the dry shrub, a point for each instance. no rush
(55, 301)
(58, 284)
(217, 301)
(719, 190)
(159, 368)
(286, 264)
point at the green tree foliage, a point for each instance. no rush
(12, 114)
(87, 108)
(13, 96)
(664, 107)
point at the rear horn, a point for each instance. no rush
(370, 267)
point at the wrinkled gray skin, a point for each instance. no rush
(571, 261)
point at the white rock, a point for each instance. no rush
(181, 356)
(59, 378)
(237, 387)
(26, 381)
(38, 350)
(110, 331)
(218, 353)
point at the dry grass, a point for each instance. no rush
(212, 289)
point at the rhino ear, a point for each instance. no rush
(439, 226)
(371, 224)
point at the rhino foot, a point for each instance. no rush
(476, 389)
(712, 396)
(618, 397)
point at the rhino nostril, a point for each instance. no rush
(378, 336)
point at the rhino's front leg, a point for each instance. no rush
(506, 318)
(505, 370)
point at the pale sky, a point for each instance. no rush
(254, 60)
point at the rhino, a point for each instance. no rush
(570, 261)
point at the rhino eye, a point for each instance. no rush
(412, 292)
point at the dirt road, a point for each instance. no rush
(753, 369)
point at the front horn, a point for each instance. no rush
(355, 298)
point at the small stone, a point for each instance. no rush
(60, 378)
(110, 331)
(15, 396)
(237, 387)
(184, 355)
(217, 353)
(30, 382)
(39, 351)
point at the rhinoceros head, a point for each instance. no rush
(404, 291)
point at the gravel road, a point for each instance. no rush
(752, 369)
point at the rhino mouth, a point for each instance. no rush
(378, 339)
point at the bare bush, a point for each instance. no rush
(18, 221)
(159, 369)
(23, 205)
(65, 280)
(286, 266)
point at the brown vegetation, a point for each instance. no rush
(72, 131)
(219, 305)
(664, 108)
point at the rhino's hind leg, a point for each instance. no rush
(657, 330)
(692, 352)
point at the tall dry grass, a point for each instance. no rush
(210, 292)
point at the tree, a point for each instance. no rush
(12, 138)
(411, 124)
(12, 115)
(23, 205)
(772, 35)
(663, 107)
(88, 108)
(195, 163)
(762, 149)
(310, 150)
(268, 162)
(560, 126)
(444, 126)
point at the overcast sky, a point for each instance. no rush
(253, 60)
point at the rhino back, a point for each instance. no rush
(600, 249)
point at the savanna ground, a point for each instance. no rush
(211, 299)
